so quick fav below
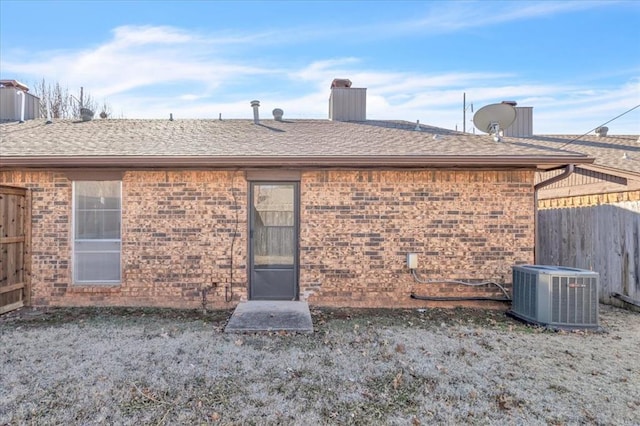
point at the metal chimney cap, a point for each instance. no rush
(340, 82)
(255, 103)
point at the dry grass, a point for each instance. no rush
(137, 366)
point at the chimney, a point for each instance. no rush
(522, 127)
(347, 103)
(256, 115)
(16, 103)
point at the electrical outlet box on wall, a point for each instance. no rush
(412, 260)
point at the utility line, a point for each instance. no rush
(615, 118)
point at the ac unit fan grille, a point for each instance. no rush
(574, 300)
(525, 297)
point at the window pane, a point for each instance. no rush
(97, 195)
(274, 218)
(97, 217)
(97, 267)
(274, 226)
(97, 224)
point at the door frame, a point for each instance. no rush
(296, 230)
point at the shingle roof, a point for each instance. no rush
(609, 151)
(243, 138)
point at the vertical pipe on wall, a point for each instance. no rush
(22, 107)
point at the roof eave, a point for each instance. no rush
(629, 174)
(540, 162)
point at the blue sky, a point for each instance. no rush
(577, 63)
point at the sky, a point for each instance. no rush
(577, 63)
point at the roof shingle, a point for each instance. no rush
(231, 138)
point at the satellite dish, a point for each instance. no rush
(494, 118)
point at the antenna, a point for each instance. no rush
(48, 113)
(494, 118)
(464, 111)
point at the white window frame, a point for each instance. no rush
(74, 240)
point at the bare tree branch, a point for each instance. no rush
(61, 103)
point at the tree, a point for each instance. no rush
(63, 104)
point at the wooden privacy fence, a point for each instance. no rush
(15, 248)
(604, 238)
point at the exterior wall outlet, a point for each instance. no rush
(412, 260)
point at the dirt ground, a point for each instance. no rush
(451, 366)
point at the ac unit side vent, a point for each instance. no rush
(555, 296)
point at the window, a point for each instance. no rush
(96, 231)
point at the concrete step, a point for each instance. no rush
(263, 315)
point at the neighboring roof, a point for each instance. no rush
(216, 143)
(616, 168)
(613, 152)
(14, 83)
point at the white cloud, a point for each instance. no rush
(149, 72)
(446, 17)
(137, 57)
(128, 36)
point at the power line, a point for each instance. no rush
(615, 118)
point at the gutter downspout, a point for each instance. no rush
(568, 170)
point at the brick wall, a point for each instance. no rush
(51, 216)
(356, 228)
(177, 229)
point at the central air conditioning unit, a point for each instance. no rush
(555, 296)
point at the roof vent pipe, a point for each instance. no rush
(602, 131)
(21, 93)
(277, 114)
(86, 114)
(48, 114)
(256, 115)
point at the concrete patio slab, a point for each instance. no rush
(262, 315)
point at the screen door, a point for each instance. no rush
(273, 241)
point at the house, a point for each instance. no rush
(591, 219)
(182, 213)
(589, 214)
(16, 103)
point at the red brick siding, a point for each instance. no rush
(177, 234)
(177, 229)
(356, 228)
(51, 216)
